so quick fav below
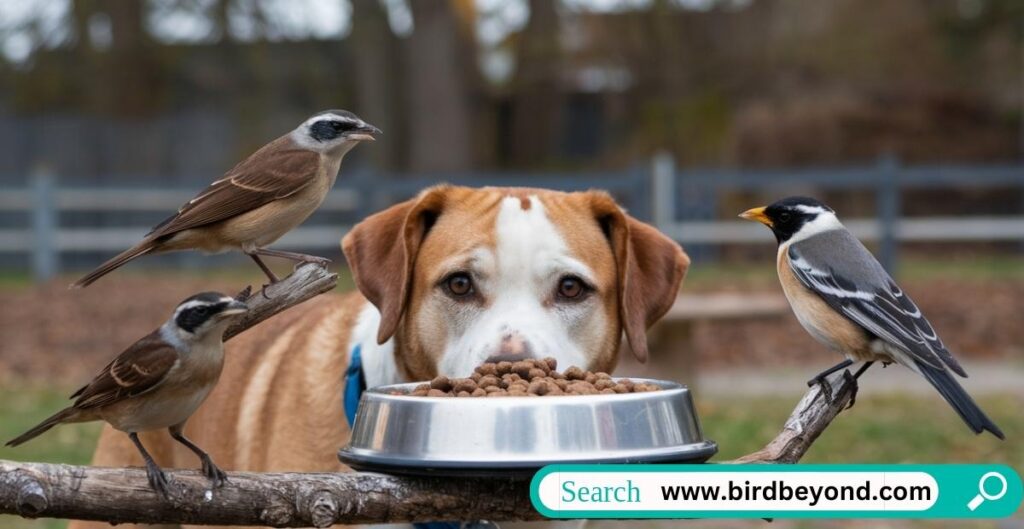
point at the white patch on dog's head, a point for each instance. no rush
(516, 307)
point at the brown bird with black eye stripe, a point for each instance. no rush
(158, 382)
(260, 199)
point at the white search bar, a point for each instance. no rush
(625, 491)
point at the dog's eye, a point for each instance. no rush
(570, 287)
(459, 284)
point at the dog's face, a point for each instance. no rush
(462, 276)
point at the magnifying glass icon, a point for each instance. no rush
(982, 495)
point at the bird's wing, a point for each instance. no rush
(276, 171)
(837, 267)
(139, 369)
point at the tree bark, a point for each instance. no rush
(538, 96)
(438, 91)
(809, 419)
(308, 499)
(280, 500)
(373, 48)
(307, 281)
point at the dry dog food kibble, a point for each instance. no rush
(528, 378)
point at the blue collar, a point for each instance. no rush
(355, 385)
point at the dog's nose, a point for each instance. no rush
(506, 358)
(513, 349)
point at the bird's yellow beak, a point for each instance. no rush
(758, 215)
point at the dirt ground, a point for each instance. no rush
(49, 332)
(978, 320)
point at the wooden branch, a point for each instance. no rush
(307, 281)
(305, 499)
(280, 500)
(810, 418)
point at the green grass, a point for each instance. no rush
(21, 409)
(964, 268)
(758, 272)
(13, 279)
(890, 428)
(761, 272)
(19, 279)
(879, 429)
(241, 275)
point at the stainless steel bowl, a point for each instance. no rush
(414, 434)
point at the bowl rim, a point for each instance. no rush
(697, 451)
(667, 387)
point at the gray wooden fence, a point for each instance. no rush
(683, 203)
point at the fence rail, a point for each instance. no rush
(681, 203)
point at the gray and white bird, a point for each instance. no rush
(158, 382)
(845, 299)
(259, 200)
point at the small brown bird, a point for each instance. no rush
(158, 382)
(846, 301)
(260, 199)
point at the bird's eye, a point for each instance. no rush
(785, 217)
(459, 285)
(571, 288)
(202, 310)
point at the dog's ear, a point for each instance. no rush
(381, 251)
(650, 269)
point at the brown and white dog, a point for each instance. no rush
(549, 274)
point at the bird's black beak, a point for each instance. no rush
(758, 215)
(364, 133)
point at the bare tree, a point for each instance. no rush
(374, 52)
(537, 100)
(440, 100)
(127, 79)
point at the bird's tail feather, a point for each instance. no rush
(114, 263)
(957, 397)
(39, 429)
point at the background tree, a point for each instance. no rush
(440, 100)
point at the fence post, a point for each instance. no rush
(44, 226)
(888, 205)
(663, 191)
(1021, 184)
(1020, 192)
